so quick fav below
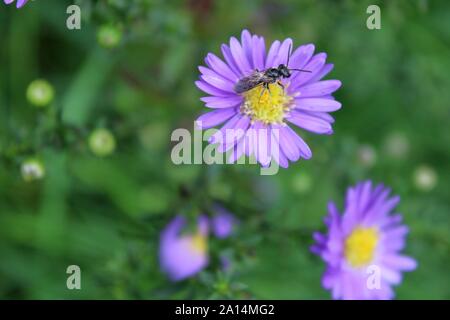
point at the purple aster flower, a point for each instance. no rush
(255, 123)
(183, 255)
(19, 4)
(362, 246)
(223, 223)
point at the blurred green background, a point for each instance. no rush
(131, 69)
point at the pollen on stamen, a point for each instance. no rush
(199, 243)
(268, 106)
(360, 246)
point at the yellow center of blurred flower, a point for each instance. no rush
(360, 246)
(199, 243)
(267, 106)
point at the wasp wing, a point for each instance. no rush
(249, 82)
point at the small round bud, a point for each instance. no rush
(367, 156)
(102, 142)
(301, 182)
(109, 36)
(40, 93)
(425, 178)
(397, 145)
(32, 169)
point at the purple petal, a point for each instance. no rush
(223, 223)
(390, 275)
(222, 102)
(283, 53)
(288, 144)
(237, 152)
(262, 136)
(282, 160)
(390, 221)
(239, 56)
(380, 209)
(322, 73)
(317, 104)
(276, 151)
(301, 56)
(236, 135)
(320, 88)
(310, 123)
(247, 46)
(219, 83)
(214, 118)
(319, 237)
(314, 66)
(316, 249)
(216, 79)
(273, 52)
(203, 224)
(333, 217)
(396, 232)
(220, 67)
(305, 151)
(400, 262)
(363, 199)
(321, 115)
(258, 52)
(231, 132)
(220, 135)
(230, 60)
(209, 89)
(394, 244)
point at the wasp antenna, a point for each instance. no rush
(299, 70)
(289, 55)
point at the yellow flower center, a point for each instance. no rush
(268, 106)
(199, 243)
(360, 246)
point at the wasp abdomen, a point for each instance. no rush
(252, 81)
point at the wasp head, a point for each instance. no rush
(284, 71)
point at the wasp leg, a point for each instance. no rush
(262, 92)
(265, 87)
(280, 84)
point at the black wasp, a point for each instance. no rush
(266, 77)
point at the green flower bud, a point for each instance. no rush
(425, 178)
(109, 36)
(102, 142)
(32, 169)
(301, 182)
(397, 145)
(367, 155)
(40, 93)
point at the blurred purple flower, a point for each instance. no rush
(225, 262)
(258, 119)
(223, 223)
(183, 255)
(364, 237)
(19, 4)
